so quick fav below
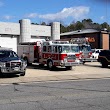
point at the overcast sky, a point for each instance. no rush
(66, 11)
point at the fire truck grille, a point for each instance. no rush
(71, 57)
(86, 55)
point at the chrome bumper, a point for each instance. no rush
(12, 70)
(70, 64)
(88, 59)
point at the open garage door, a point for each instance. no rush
(9, 42)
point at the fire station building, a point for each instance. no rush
(24, 31)
(13, 33)
(97, 39)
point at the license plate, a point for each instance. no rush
(71, 60)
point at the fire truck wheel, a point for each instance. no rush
(49, 64)
(69, 67)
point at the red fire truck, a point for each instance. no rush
(85, 51)
(50, 53)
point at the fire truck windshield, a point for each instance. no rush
(64, 49)
(67, 49)
(85, 48)
(74, 48)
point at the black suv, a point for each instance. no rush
(11, 63)
(104, 58)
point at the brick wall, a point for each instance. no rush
(105, 41)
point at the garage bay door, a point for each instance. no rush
(9, 42)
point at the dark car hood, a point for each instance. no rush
(7, 59)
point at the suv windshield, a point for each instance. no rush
(4, 54)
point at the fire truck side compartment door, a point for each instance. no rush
(31, 53)
(19, 50)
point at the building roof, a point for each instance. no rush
(80, 32)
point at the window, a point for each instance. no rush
(4, 54)
(55, 49)
(66, 49)
(49, 49)
(44, 48)
(60, 49)
(85, 48)
(75, 48)
(14, 54)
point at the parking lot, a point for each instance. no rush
(90, 70)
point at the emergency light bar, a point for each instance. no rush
(60, 42)
(79, 40)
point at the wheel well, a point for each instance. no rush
(104, 60)
(26, 59)
(49, 60)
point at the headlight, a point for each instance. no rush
(24, 64)
(77, 60)
(2, 64)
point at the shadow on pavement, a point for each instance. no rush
(45, 68)
(9, 75)
(94, 65)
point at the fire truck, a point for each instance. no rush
(50, 53)
(85, 51)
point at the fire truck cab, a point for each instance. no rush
(50, 53)
(85, 50)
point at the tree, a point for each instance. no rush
(62, 28)
(71, 27)
(87, 20)
(84, 24)
(43, 23)
(88, 23)
(104, 25)
(79, 25)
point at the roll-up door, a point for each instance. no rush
(9, 42)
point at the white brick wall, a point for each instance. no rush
(9, 28)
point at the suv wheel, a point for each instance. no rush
(1, 74)
(104, 64)
(22, 74)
